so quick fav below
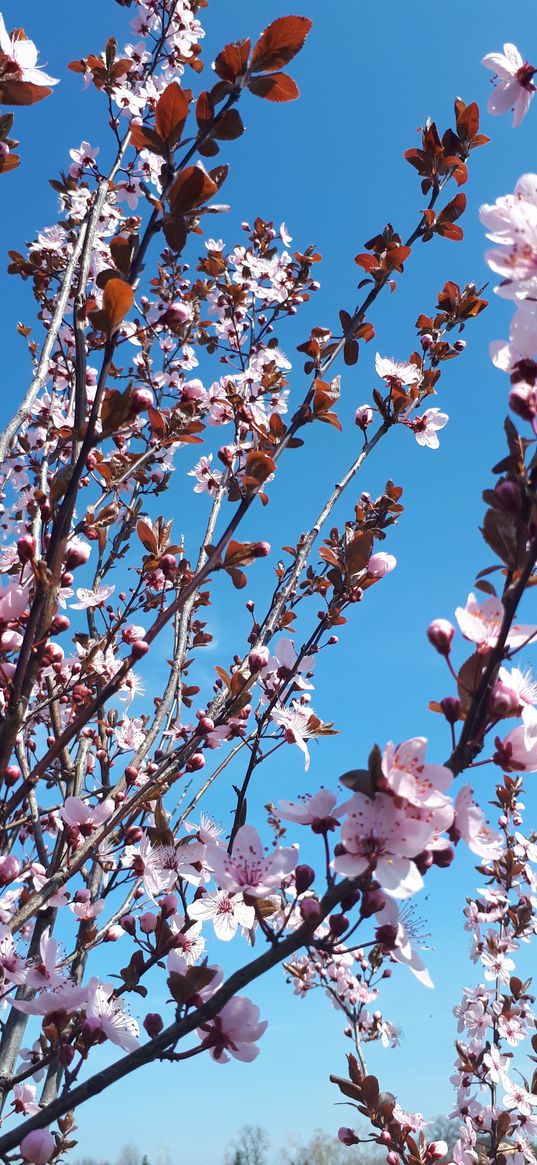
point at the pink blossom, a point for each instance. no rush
(379, 836)
(130, 734)
(22, 55)
(410, 777)
(45, 973)
(397, 374)
(13, 967)
(88, 599)
(235, 1030)
(514, 89)
(14, 601)
(517, 357)
(469, 824)
(227, 911)
(78, 814)
(403, 950)
(319, 811)
(380, 564)
(299, 723)
(83, 158)
(518, 1097)
(207, 479)
(248, 869)
(497, 1066)
(481, 623)
(24, 1099)
(67, 997)
(117, 1025)
(513, 753)
(425, 428)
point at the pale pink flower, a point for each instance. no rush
(22, 54)
(117, 1025)
(130, 734)
(13, 967)
(227, 911)
(425, 428)
(397, 374)
(514, 89)
(481, 623)
(207, 479)
(497, 1066)
(518, 1097)
(518, 355)
(88, 599)
(83, 158)
(380, 837)
(248, 869)
(68, 997)
(235, 1030)
(283, 664)
(78, 814)
(513, 753)
(299, 724)
(24, 1099)
(14, 601)
(403, 950)
(320, 811)
(410, 777)
(45, 973)
(498, 965)
(146, 861)
(470, 825)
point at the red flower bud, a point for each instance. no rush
(139, 648)
(197, 761)
(153, 1024)
(304, 878)
(26, 548)
(440, 633)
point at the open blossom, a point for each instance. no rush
(227, 911)
(20, 63)
(320, 811)
(300, 724)
(381, 563)
(248, 869)
(497, 1066)
(425, 428)
(514, 88)
(410, 777)
(235, 1030)
(379, 836)
(207, 479)
(518, 355)
(392, 926)
(470, 825)
(397, 374)
(78, 814)
(117, 1025)
(82, 158)
(481, 623)
(130, 734)
(513, 753)
(88, 599)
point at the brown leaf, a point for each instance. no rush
(118, 298)
(232, 61)
(276, 87)
(171, 114)
(191, 189)
(279, 43)
(13, 92)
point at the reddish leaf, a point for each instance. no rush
(171, 113)
(144, 138)
(176, 233)
(118, 298)
(191, 189)
(146, 536)
(277, 87)
(229, 126)
(9, 162)
(232, 61)
(13, 92)
(279, 43)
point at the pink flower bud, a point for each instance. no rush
(381, 564)
(128, 923)
(363, 417)
(168, 565)
(261, 549)
(459, 345)
(436, 1150)
(38, 1146)
(142, 398)
(197, 761)
(451, 708)
(310, 911)
(153, 1024)
(59, 623)
(76, 554)
(392, 1158)
(440, 633)
(9, 869)
(148, 922)
(26, 548)
(523, 401)
(426, 341)
(347, 1137)
(304, 878)
(139, 648)
(338, 924)
(168, 905)
(258, 659)
(12, 774)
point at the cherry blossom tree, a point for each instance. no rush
(105, 838)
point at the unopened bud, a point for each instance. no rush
(139, 648)
(310, 911)
(347, 1137)
(451, 707)
(440, 633)
(197, 761)
(141, 399)
(304, 878)
(261, 549)
(363, 417)
(258, 659)
(153, 1024)
(26, 548)
(523, 401)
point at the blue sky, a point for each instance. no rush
(331, 166)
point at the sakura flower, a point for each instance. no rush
(514, 88)
(498, 965)
(284, 664)
(517, 356)
(44, 972)
(13, 967)
(469, 824)
(401, 947)
(397, 374)
(24, 1099)
(380, 564)
(19, 64)
(319, 811)
(380, 837)
(497, 1066)
(300, 724)
(78, 815)
(517, 1097)
(117, 1025)
(248, 869)
(481, 623)
(513, 754)
(407, 774)
(207, 480)
(146, 861)
(235, 1030)
(130, 734)
(227, 911)
(83, 158)
(67, 997)
(89, 599)
(425, 428)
